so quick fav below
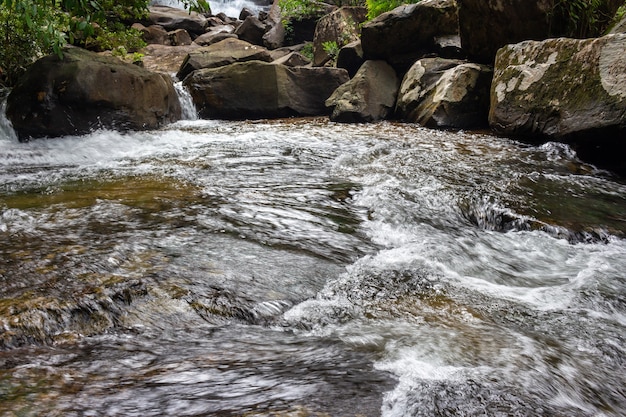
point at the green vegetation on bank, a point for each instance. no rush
(32, 28)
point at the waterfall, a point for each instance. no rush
(230, 8)
(6, 128)
(188, 109)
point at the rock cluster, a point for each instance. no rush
(440, 63)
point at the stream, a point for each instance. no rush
(300, 267)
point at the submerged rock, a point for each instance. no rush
(369, 96)
(84, 91)
(255, 89)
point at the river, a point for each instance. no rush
(300, 267)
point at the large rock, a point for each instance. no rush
(439, 92)
(256, 89)
(409, 32)
(225, 52)
(560, 87)
(341, 27)
(486, 26)
(86, 91)
(367, 97)
(166, 59)
(171, 18)
(252, 30)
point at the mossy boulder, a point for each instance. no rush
(341, 27)
(564, 89)
(560, 87)
(84, 91)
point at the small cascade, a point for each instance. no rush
(6, 128)
(186, 103)
(230, 8)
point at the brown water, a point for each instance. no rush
(304, 268)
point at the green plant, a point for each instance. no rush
(582, 18)
(331, 48)
(32, 28)
(378, 7)
(307, 51)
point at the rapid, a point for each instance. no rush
(300, 267)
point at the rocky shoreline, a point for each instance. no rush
(435, 63)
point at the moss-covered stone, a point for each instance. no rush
(560, 87)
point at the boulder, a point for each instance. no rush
(211, 37)
(350, 57)
(164, 58)
(153, 34)
(409, 32)
(513, 21)
(84, 91)
(179, 37)
(225, 52)
(245, 13)
(252, 30)
(341, 27)
(255, 89)
(560, 87)
(367, 97)
(171, 18)
(293, 59)
(446, 93)
(275, 35)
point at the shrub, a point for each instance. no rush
(378, 7)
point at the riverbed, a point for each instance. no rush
(300, 267)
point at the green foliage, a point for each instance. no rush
(304, 9)
(299, 9)
(307, 51)
(32, 28)
(584, 18)
(331, 48)
(378, 7)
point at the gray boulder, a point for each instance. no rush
(439, 92)
(86, 91)
(341, 27)
(370, 95)
(255, 89)
(409, 32)
(171, 18)
(561, 88)
(225, 52)
(212, 37)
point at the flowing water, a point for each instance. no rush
(304, 268)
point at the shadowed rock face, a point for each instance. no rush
(86, 91)
(256, 89)
(409, 32)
